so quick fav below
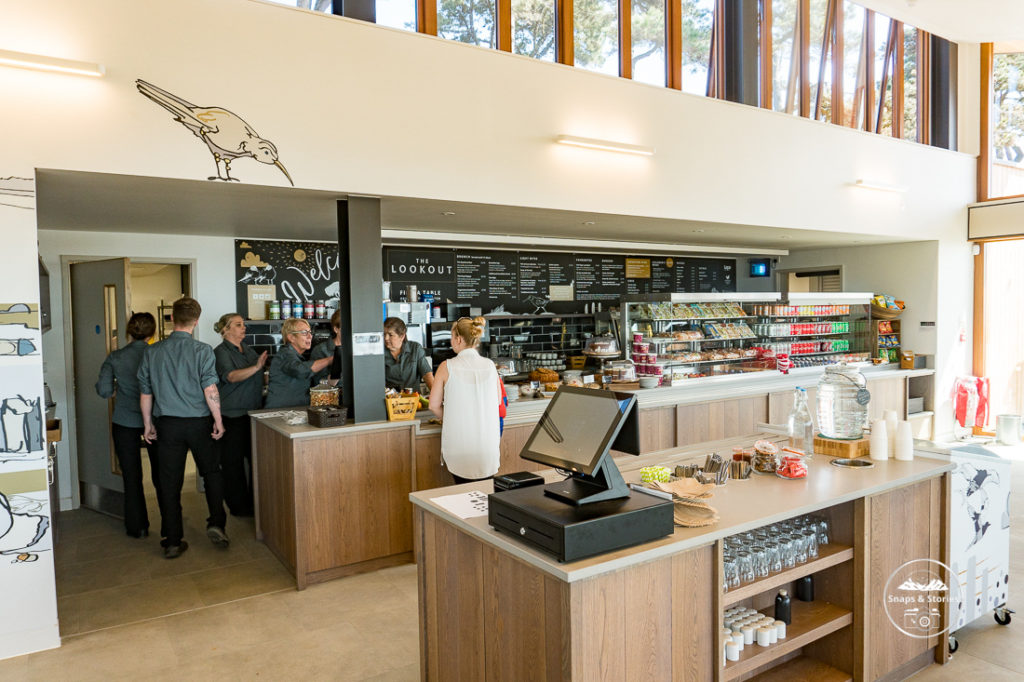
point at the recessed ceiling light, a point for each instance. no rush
(448, 213)
(698, 230)
(785, 237)
(589, 222)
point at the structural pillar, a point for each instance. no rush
(944, 93)
(360, 276)
(366, 10)
(741, 51)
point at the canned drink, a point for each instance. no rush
(286, 309)
(274, 311)
(321, 310)
(309, 309)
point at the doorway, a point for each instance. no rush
(819, 279)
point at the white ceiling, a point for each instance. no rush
(100, 202)
(972, 21)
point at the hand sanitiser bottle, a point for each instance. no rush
(800, 425)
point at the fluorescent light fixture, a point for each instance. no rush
(605, 145)
(880, 186)
(38, 62)
(511, 241)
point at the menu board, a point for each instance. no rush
(432, 271)
(702, 275)
(600, 278)
(297, 271)
(535, 282)
(487, 279)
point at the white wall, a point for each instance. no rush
(213, 280)
(28, 604)
(934, 278)
(152, 285)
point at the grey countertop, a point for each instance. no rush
(529, 410)
(741, 505)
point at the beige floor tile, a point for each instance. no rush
(407, 673)
(130, 603)
(258, 576)
(964, 668)
(112, 571)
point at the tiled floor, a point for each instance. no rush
(128, 614)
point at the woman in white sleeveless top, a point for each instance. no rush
(465, 396)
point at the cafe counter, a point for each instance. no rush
(334, 501)
(492, 607)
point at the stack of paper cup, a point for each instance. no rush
(879, 441)
(904, 448)
(892, 420)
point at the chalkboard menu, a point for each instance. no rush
(298, 271)
(533, 282)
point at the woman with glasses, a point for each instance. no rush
(405, 362)
(290, 375)
(466, 395)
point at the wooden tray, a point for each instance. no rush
(842, 448)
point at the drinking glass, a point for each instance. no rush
(823, 531)
(732, 574)
(760, 555)
(788, 550)
(746, 567)
(799, 547)
(811, 539)
(774, 557)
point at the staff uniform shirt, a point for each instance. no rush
(290, 378)
(119, 378)
(324, 349)
(175, 372)
(408, 368)
(236, 399)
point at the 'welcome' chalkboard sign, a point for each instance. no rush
(299, 271)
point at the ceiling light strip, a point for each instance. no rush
(879, 186)
(414, 237)
(605, 145)
(23, 60)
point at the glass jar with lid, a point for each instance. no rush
(842, 402)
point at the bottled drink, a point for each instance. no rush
(800, 425)
(782, 607)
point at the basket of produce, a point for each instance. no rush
(402, 407)
(327, 415)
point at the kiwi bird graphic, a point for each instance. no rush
(226, 134)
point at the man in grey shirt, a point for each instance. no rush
(179, 375)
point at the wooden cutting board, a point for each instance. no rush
(842, 448)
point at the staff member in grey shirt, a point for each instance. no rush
(241, 389)
(405, 362)
(290, 375)
(118, 379)
(179, 375)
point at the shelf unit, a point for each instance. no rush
(811, 621)
(829, 555)
(819, 628)
(892, 351)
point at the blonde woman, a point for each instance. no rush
(240, 370)
(466, 394)
(290, 375)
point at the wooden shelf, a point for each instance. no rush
(828, 555)
(811, 621)
(803, 669)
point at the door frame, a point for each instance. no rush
(782, 275)
(69, 376)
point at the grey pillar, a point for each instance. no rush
(360, 276)
(741, 51)
(365, 10)
(944, 89)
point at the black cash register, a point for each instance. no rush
(592, 511)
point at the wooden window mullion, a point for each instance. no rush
(426, 16)
(897, 79)
(564, 45)
(504, 9)
(868, 50)
(626, 38)
(804, 25)
(924, 87)
(984, 157)
(674, 44)
(838, 54)
(826, 42)
(978, 335)
(765, 67)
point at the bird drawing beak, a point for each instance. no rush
(281, 166)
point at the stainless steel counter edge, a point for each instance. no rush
(884, 476)
(528, 411)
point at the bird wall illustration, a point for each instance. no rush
(226, 134)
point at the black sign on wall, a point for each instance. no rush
(431, 270)
(299, 271)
